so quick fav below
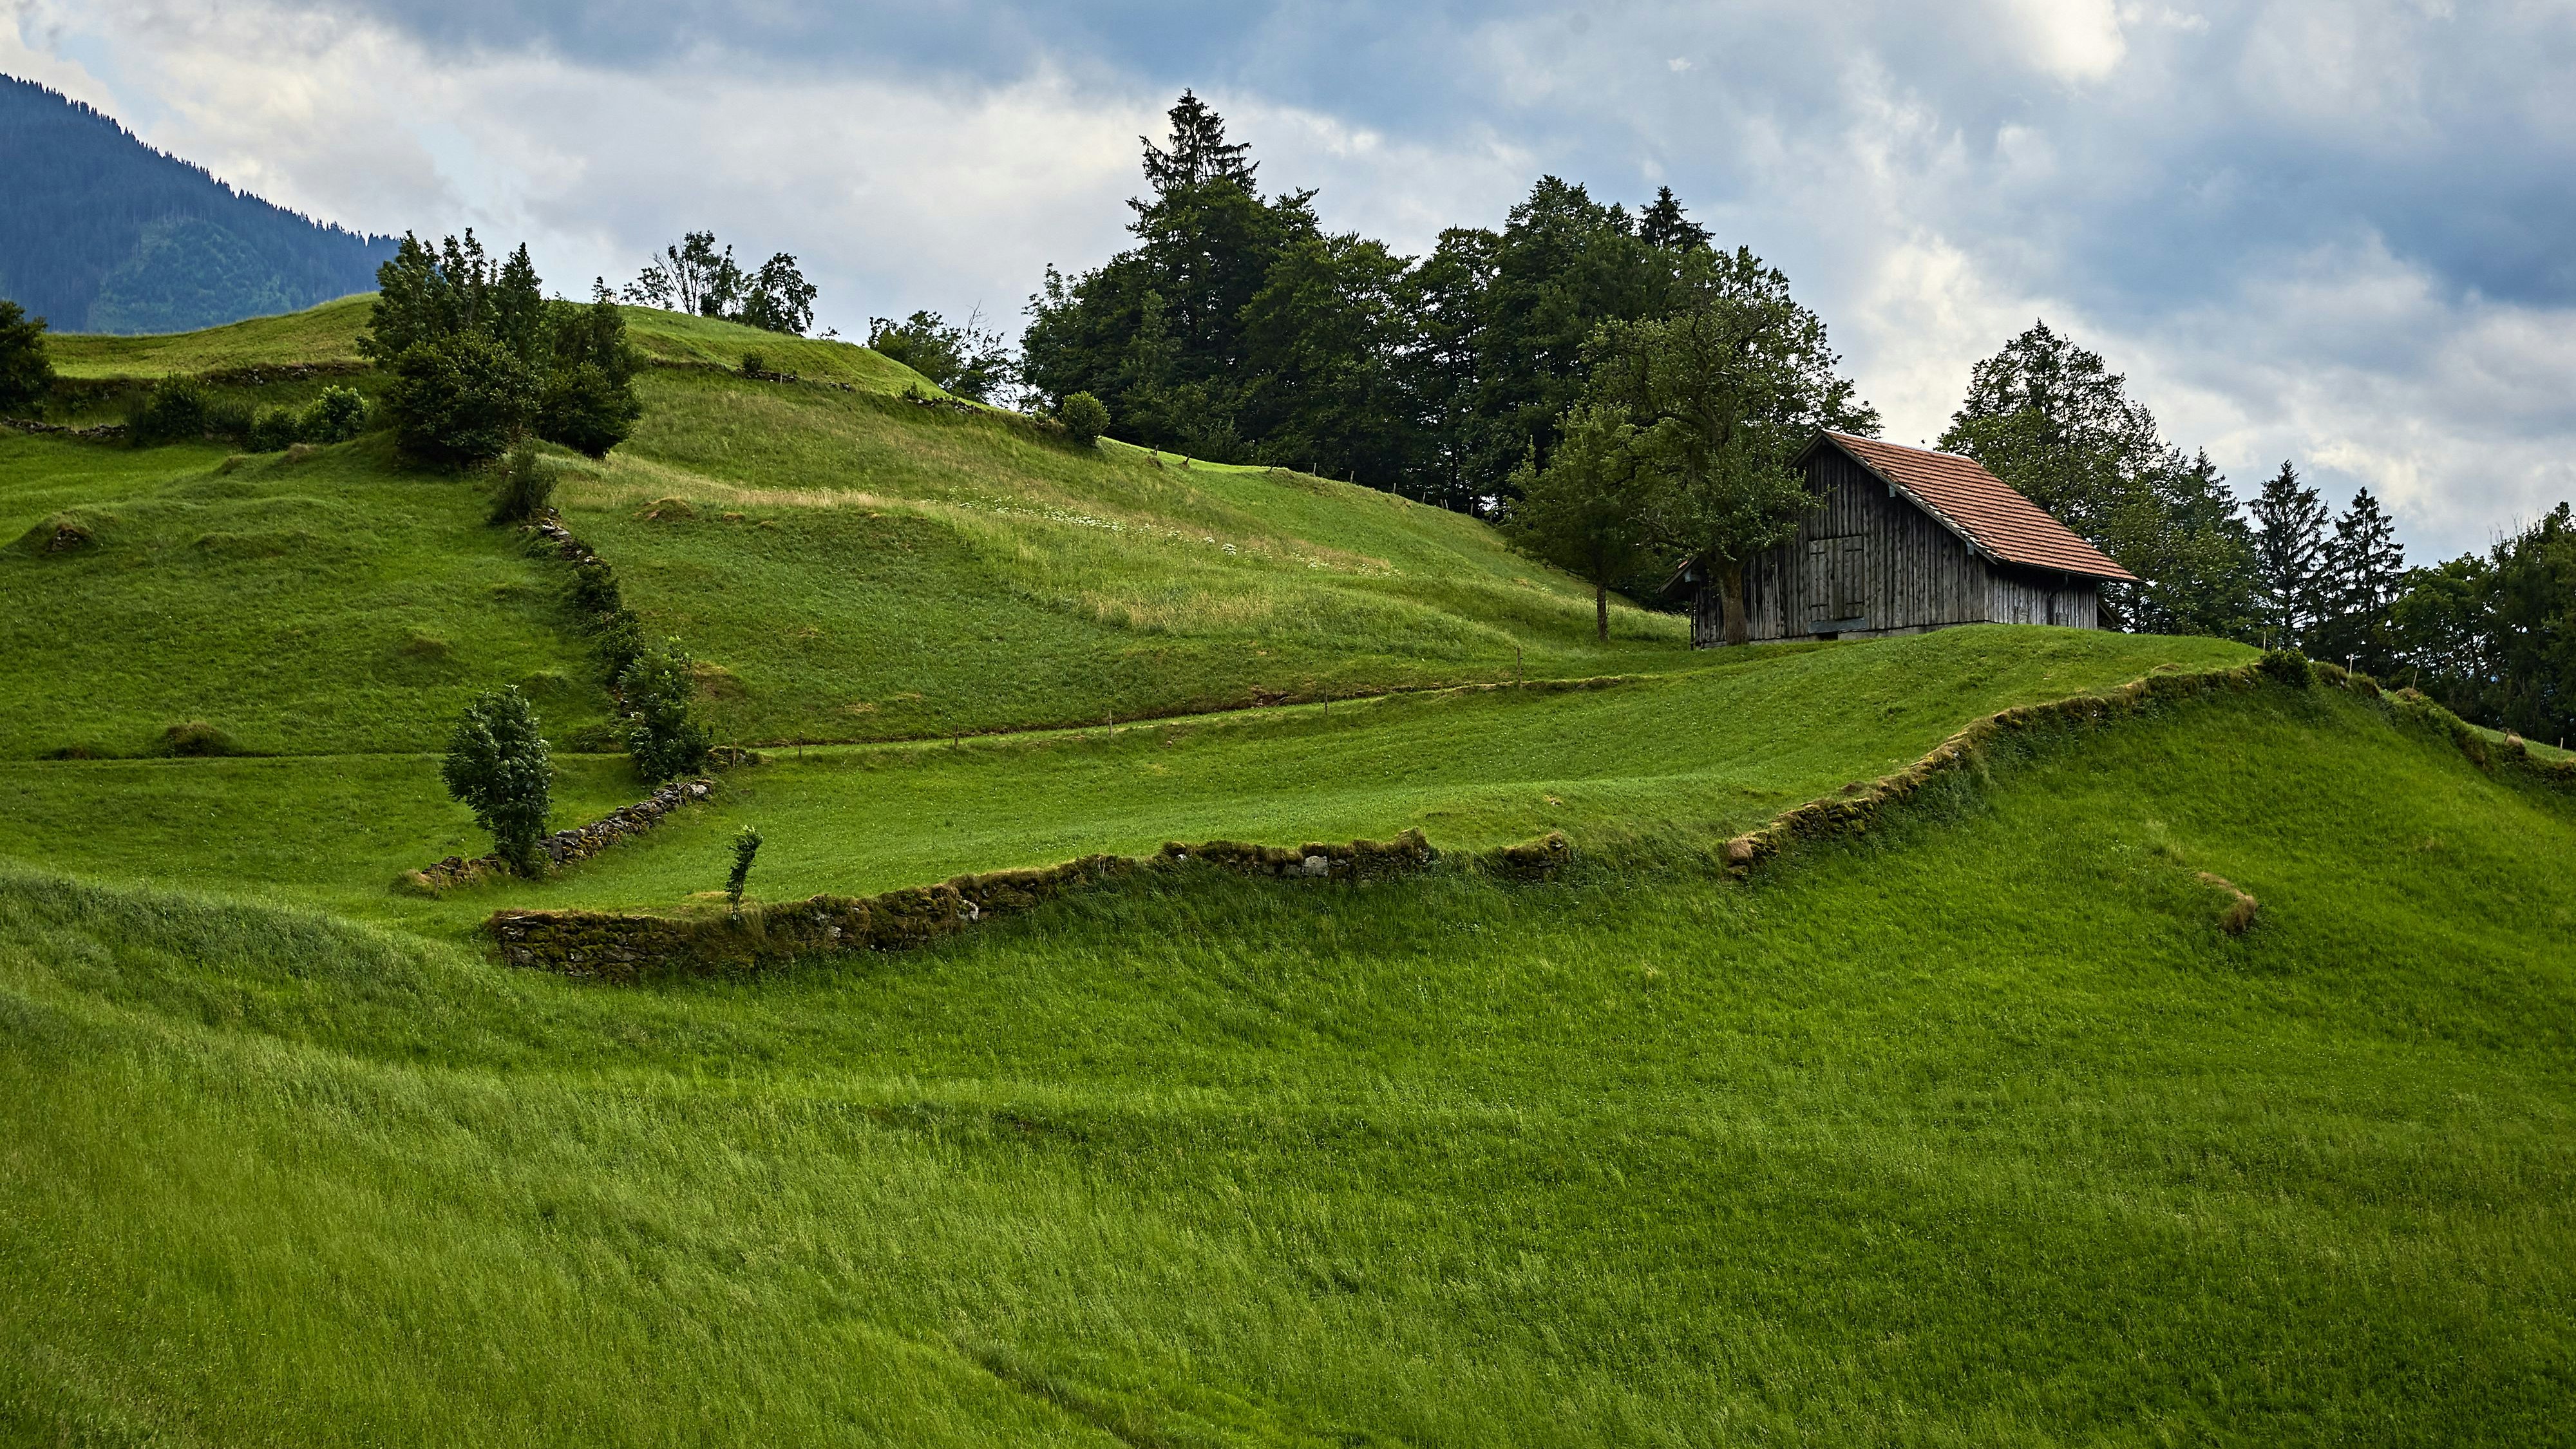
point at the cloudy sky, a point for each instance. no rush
(2339, 233)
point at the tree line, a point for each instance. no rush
(1623, 396)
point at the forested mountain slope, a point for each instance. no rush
(102, 233)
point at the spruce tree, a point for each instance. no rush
(2289, 554)
(2365, 569)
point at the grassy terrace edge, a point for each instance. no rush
(633, 946)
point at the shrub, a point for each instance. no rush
(196, 740)
(26, 374)
(586, 410)
(274, 431)
(662, 737)
(1084, 417)
(498, 766)
(746, 844)
(526, 485)
(229, 418)
(336, 416)
(173, 410)
(753, 364)
(594, 588)
(2288, 666)
(461, 399)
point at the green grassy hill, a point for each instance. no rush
(1979, 1128)
(1982, 1133)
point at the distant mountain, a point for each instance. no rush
(102, 233)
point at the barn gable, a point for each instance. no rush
(1907, 540)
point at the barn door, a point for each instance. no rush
(1820, 580)
(1850, 598)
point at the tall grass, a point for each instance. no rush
(1982, 1132)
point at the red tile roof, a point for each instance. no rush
(1980, 507)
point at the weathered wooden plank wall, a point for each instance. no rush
(1868, 562)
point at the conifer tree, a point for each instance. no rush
(2365, 570)
(2289, 554)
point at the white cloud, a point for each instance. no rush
(2073, 40)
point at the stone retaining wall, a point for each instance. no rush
(611, 946)
(565, 846)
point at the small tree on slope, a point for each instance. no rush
(498, 766)
(1587, 511)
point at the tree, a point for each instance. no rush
(460, 400)
(1590, 510)
(2534, 628)
(2053, 421)
(1662, 224)
(1726, 391)
(26, 373)
(2289, 557)
(498, 766)
(664, 739)
(1084, 418)
(969, 360)
(777, 298)
(2186, 536)
(1324, 342)
(1199, 151)
(588, 401)
(746, 845)
(2364, 570)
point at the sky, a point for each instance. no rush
(2340, 233)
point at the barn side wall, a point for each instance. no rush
(1868, 563)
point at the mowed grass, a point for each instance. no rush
(330, 604)
(1981, 1132)
(1654, 765)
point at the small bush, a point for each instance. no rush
(2288, 666)
(498, 766)
(1084, 417)
(594, 588)
(665, 741)
(586, 410)
(753, 364)
(526, 485)
(26, 373)
(274, 431)
(173, 410)
(460, 400)
(336, 416)
(196, 739)
(746, 844)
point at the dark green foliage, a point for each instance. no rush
(1084, 417)
(481, 357)
(1590, 511)
(586, 410)
(2288, 666)
(2289, 557)
(462, 399)
(196, 739)
(1709, 406)
(2052, 420)
(104, 234)
(498, 766)
(692, 276)
(2363, 572)
(594, 589)
(526, 485)
(173, 410)
(1238, 329)
(969, 360)
(2494, 638)
(756, 365)
(334, 416)
(664, 738)
(26, 374)
(746, 845)
(274, 430)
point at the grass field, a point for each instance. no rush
(1980, 1130)
(1663, 763)
(1981, 1134)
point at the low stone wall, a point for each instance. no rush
(619, 947)
(101, 433)
(564, 846)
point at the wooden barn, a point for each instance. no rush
(1907, 540)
